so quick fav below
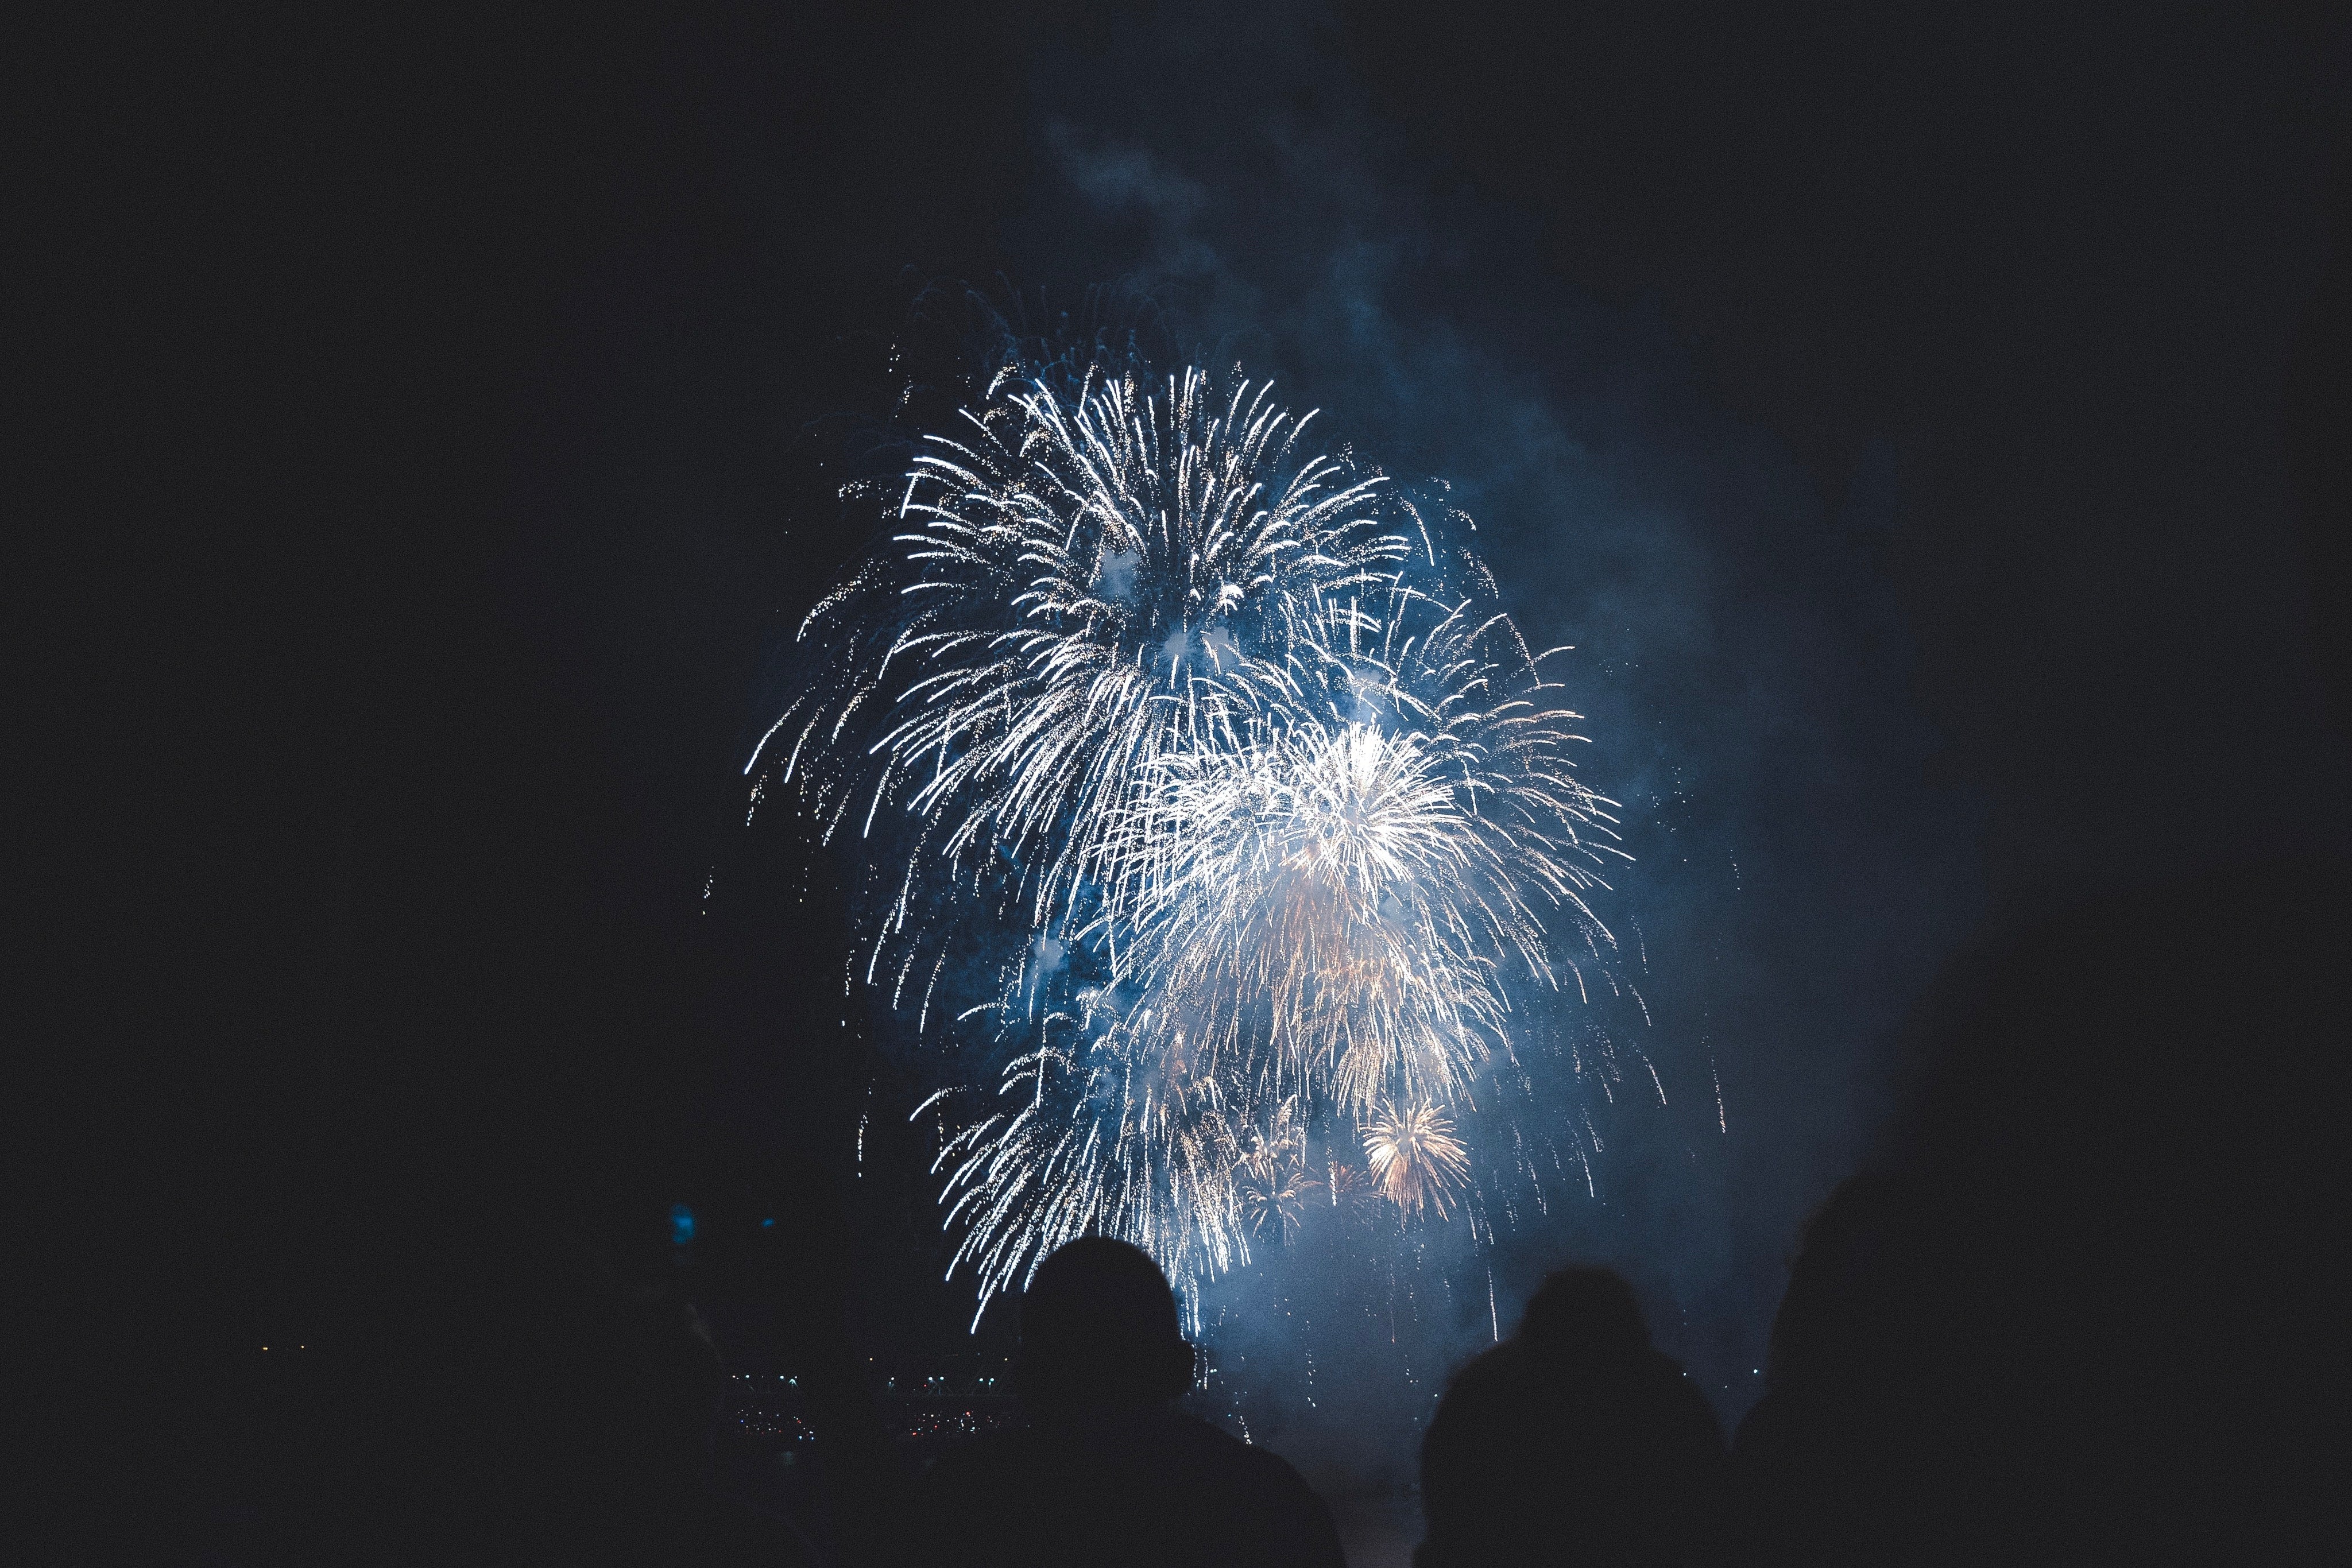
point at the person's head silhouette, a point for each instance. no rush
(1587, 1314)
(1099, 1330)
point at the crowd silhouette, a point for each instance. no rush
(2076, 1309)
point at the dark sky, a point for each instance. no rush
(1923, 422)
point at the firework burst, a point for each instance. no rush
(1099, 583)
(1414, 1158)
(1272, 1182)
(1278, 793)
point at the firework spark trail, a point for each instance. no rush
(1115, 1143)
(1141, 673)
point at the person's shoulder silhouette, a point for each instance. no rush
(1575, 1441)
(2076, 1309)
(1106, 1471)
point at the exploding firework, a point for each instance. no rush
(1100, 584)
(1277, 792)
(1415, 1159)
(1329, 908)
(1272, 1182)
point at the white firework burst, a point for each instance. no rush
(1143, 674)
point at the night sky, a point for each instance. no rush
(1926, 427)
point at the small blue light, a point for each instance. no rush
(767, 1225)
(681, 1223)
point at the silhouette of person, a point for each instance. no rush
(2080, 1310)
(1575, 1441)
(1827, 1467)
(1105, 1471)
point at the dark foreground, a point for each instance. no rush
(2076, 1309)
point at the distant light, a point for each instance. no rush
(681, 1223)
(766, 1223)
